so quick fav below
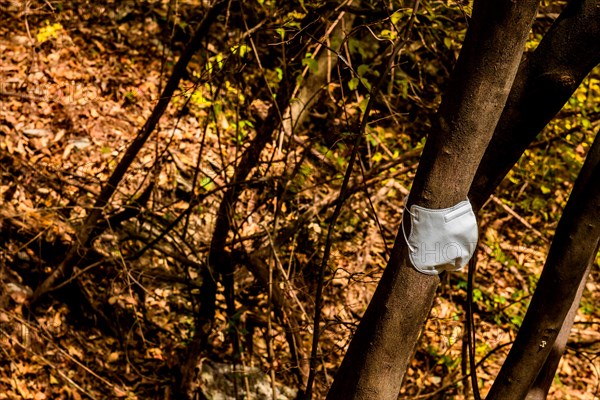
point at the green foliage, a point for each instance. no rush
(312, 64)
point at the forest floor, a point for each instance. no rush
(75, 87)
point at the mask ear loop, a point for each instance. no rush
(412, 249)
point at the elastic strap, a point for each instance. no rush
(402, 224)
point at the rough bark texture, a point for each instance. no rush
(383, 344)
(573, 249)
(541, 386)
(546, 80)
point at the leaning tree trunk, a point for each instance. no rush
(574, 247)
(308, 90)
(220, 266)
(219, 262)
(382, 346)
(541, 386)
(544, 83)
(546, 80)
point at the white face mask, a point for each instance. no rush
(441, 239)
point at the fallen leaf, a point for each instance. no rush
(19, 294)
(112, 357)
(37, 132)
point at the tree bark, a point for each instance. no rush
(220, 266)
(308, 90)
(379, 353)
(546, 80)
(573, 249)
(541, 386)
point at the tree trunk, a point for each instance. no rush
(383, 344)
(574, 246)
(220, 266)
(541, 386)
(219, 263)
(546, 80)
(310, 87)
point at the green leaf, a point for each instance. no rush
(545, 189)
(586, 123)
(396, 17)
(353, 83)
(366, 83)
(219, 59)
(313, 65)
(362, 69)
(363, 104)
(242, 50)
(387, 34)
(281, 33)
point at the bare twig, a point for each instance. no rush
(397, 46)
(519, 218)
(48, 363)
(85, 235)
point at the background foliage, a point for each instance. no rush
(79, 78)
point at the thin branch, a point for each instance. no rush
(84, 236)
(398, 45)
